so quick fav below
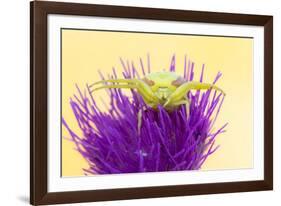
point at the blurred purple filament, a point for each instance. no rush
(111, 143)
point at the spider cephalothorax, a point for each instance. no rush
(159, 88)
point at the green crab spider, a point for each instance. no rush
(159, 88)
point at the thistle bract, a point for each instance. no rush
(112, 141)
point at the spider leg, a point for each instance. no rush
(128, 81)
(139, 121)
(114, 86)
(143, 89)
(182, 90)
(147, 94)
(185, 102)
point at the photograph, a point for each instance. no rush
(151, 102)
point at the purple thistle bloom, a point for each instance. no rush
(166, 141)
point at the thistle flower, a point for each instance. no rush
(111, 141)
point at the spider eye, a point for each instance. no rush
(179, 81)
(149, 82)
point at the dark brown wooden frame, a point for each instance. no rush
(38, 98)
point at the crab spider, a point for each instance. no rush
(165, 88)
(160, 88)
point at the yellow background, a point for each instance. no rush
(86, 52)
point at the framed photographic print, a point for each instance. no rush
(131, 102)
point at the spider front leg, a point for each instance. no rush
(143, 89)
(185, 102)
(178, 97)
